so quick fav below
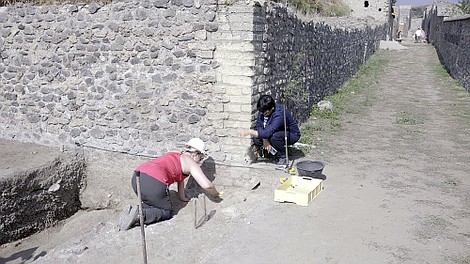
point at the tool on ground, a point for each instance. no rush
(141, 216)
(291, 172)
(251, 183)
(256, 186)
(289, 168)
(204, 218)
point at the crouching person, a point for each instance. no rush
(157, 175)
(271, 128)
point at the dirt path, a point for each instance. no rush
(397, 191)
(398, 181)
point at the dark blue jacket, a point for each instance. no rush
(276, 123)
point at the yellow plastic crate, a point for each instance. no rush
(298, 189)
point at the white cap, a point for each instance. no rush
(197, 144)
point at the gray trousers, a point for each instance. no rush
(155, 197)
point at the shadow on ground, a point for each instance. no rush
(27, 254)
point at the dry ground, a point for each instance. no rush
(397, 190)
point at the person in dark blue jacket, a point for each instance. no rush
(269, 132)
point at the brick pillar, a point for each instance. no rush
(238, 41)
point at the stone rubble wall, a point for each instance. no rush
(145, 76)
(451, 38)
(308, 60)
(133, 76)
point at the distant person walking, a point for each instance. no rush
(399, 36)
(419, 34)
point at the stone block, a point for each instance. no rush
(236, 124)
(240, 70)
(239, 99)
(235, 80)
(215, 107)
(230, 55)
(239, 36)
(237, 46)
(241, 117)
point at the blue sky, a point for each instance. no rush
(420, 2)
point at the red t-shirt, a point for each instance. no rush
(166, 168)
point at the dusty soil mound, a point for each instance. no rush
(38, 187)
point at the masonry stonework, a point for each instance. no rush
(145, 76)
(451, 38)
(134, 76)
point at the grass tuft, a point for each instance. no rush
(351, 97)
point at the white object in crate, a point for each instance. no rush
(298, 189)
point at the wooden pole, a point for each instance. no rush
(141, 214)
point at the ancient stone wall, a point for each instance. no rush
(296, 60)
(404, 19)
(451, 37)
(131, 76)
(308, 60)
(145, 76)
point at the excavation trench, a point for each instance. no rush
(39, 186)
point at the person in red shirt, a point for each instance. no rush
(157, 175)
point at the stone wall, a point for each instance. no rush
(451, 37)
(308, 60)
(262, 48)
(131, 76)
(404, 20)
(145, 76)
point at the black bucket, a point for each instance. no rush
(310, 168)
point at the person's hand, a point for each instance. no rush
(215, 199)
(244, 132)
(241, 133)
(266, 144)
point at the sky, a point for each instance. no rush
(420, 2)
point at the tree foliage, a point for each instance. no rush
(322, 7)
(464, 6)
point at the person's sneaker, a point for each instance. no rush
(129, 217)
(281, 162)
(166, 214)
